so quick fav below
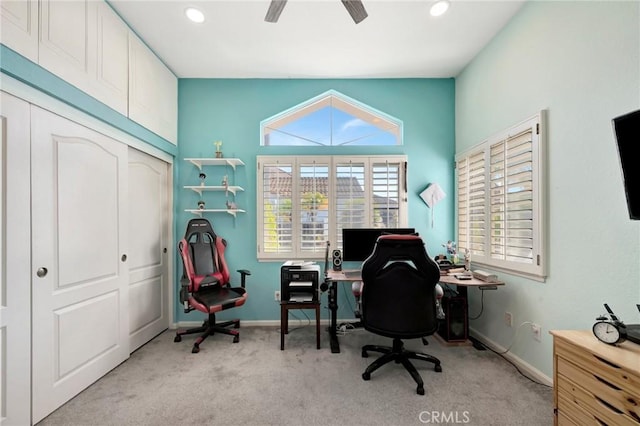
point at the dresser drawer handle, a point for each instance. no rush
(609, 406)
(611, 385)
(606, 362)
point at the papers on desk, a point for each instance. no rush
(298, 263)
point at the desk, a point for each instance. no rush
(333, 277)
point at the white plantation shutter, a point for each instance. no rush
(304, 201)
(499, 200)
(351, 201)
(313, 198)
(512, 199)
(385, 194)
(275, 203)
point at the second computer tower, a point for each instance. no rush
(455, 325)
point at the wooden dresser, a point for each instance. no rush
(595, 383)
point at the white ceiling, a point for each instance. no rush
(316, 39)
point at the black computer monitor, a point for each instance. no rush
(627, 131)
(358, 243)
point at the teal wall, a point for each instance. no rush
(581, 62)
(231, 111)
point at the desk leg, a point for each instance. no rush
(333, 307)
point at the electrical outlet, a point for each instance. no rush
(508, 319)
(537, 332)
(277, 295)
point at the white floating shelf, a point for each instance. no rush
(199, 212)
(199, 189)
(199, 162)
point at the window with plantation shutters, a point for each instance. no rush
(305, 201)
(499, 200)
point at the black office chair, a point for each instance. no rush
(399, 301)
(206, 282)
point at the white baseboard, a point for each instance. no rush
(260, 323)
(524, 366)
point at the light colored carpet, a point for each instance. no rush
(253, 382)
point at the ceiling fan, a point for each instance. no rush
(354, 7)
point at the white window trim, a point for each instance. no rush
(331, 160)
(537, 271)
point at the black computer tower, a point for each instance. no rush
(455, 325)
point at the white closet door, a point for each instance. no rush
(15, 237)
(148, 251)
(79, 270)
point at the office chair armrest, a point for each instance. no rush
(184, 294)
(243, 276)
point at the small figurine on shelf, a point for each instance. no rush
(231, 205)
(218, 145)
(201, 205)
(202, 177)
(225, 184)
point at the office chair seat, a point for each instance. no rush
(216, 300)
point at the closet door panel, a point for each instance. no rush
(148, 238)
(80, 275)
(19, 27)
(15, 284)
(64, 40)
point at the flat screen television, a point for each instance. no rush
(358, 243)
(627, 132)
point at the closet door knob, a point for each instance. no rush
(164, 250)
(41, 272)
(124, 258)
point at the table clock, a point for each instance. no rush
(609, 330)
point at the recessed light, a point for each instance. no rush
(439, 8)
(194, 14)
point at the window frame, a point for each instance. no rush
(333, 226)
(537, 269)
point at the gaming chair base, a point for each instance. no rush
(398, 354)
(209, 328)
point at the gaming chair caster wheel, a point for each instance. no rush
(195, 349)
(365, 354)
(366, 376)
(438, 368)
(177, 338)
(420, 390)
(236, 339)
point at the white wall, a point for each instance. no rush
(581, 62)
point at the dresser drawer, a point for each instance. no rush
(570, 414)
(606, 370)
(611, 395)
(593, 406)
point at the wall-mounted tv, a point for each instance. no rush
(627, 132)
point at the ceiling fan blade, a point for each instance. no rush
(355, 9)
(275, 9)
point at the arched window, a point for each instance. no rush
(331, 119)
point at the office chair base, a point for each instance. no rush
(398, 354)
(208, 328)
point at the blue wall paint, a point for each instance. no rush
(30, 73)
(231, 111)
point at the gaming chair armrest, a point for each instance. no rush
(243, 276)
(184, 294)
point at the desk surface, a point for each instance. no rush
(448, 279)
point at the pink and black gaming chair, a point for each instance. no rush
(205, 283)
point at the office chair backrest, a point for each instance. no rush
(398, 298)
(203, 254)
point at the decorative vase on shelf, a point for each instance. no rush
(218, 145)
